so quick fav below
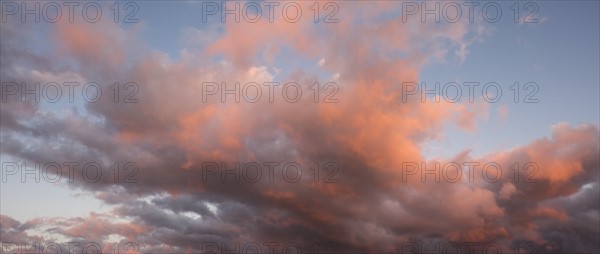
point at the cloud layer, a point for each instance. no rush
(364, 203)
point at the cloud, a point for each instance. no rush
(171, 134)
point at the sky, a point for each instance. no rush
(301, 127)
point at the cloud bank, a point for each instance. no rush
(365, 203)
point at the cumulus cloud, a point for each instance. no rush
(171, 133)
